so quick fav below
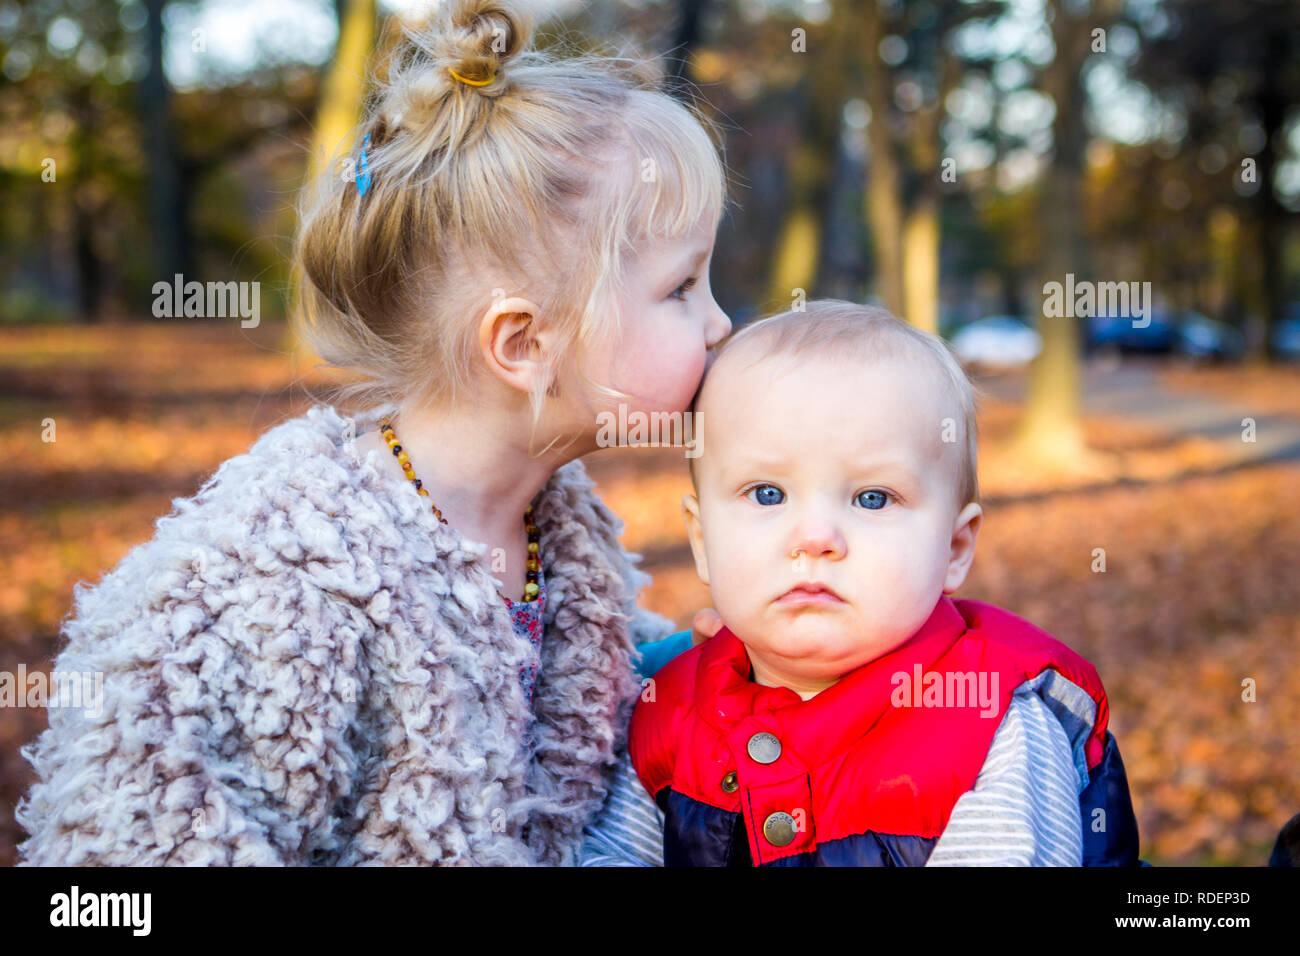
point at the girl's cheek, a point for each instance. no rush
(692, 367)
(671, 376)
(694, 374)
(662, 368)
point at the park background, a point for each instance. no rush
(944, 158)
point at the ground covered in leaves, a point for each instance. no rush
(1197, 602)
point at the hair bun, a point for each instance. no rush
(478, 37)
(473, 38)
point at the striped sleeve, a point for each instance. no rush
(629, 829)
(1024, 807)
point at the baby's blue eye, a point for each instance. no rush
(874, 500)
(767, 494)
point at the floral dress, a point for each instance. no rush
(527, 619)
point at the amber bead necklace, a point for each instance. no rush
(534, 566)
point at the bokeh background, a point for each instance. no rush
(943, 158)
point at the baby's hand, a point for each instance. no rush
(705, 624)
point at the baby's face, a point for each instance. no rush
(834, 472)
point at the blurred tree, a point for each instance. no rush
(884, 178)
(70, 153)
(342, 97)
(795, 252)
(690, 16)
(146, 175)
(85, 204)
(1233, 71)
(921, 234)
(168, 196)
(910, 68)
(813, 108)
(1051, 429)
(344, 89)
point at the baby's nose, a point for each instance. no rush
(818, 541)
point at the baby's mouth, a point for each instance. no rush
(810, 592)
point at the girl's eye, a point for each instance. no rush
(767, 495)
(681, 290)
(874, 499)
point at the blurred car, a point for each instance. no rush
(1203, 338)
(1117, 333)
(997, 342)
(952, 318)
(1286, 334)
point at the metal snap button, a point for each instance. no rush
(779, 829)
(764, 748)
(730, 784)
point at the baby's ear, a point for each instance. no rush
(964, 532)
(694, 531)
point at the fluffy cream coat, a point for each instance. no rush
(303, 666)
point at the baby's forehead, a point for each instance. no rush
(748, 366)
(745, 379)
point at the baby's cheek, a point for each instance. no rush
(735, 586)
(887, 587)
(909, 597)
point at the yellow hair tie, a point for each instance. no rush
(471, 82)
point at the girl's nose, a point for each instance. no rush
(719, 326)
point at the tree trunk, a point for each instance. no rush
(86, 255)
(922, 232)
(795, 264)
(1051, 431)
(342, 97)
(1270, 215)
(884, 183)
(343, 92)
(690, 15)
(167, 201)
(921, 238)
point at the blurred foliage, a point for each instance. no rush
(957, 82)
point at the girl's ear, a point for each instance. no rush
(513, 343)
(964, 532)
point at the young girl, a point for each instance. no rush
(409, 636)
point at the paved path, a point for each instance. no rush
(1132, 389)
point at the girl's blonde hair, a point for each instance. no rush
(543, 179)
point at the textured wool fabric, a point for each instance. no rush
(303, 666)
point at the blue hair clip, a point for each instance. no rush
(363, 178)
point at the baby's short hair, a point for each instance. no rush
(840, 329)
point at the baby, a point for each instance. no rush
(849, 712)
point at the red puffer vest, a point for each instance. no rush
(867, 772)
